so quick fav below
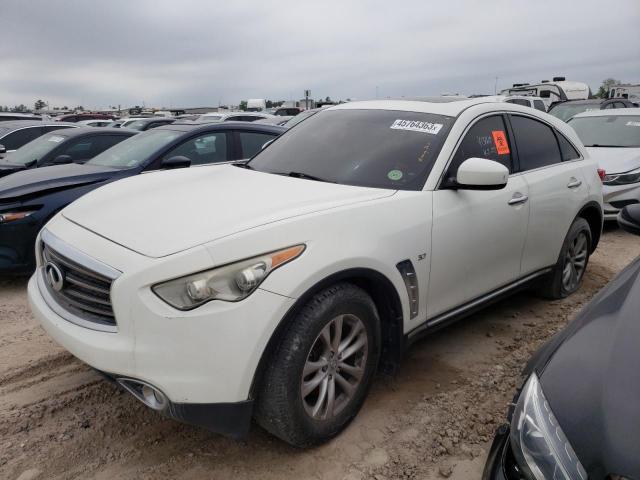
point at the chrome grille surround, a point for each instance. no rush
(83, 296)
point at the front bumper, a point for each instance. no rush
(618, 197)
(501, 464)
(203, 361)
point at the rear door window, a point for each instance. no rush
(539, 105)
(567, 150)
(16, 139)
(487, 138)
(537, 144)
(252, 142)
(203, 149)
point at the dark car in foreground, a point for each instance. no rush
(568, 109)
(577, 415)
(16, 133)
(73, 145)
(29, 199)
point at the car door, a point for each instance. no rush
(477, 235)
(556, 188)
(249, 143)
(203, 149)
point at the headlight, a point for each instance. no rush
(230, 283)
(6, 217)
(623, 178)
(538, 442)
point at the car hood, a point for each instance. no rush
(7, 168)
(37, 181)
(166, 212)
(616, 160)
(592, 383)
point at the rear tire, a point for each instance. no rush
(568, 272)
(320, 373)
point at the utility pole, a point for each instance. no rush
(495, 87)
(307, 93)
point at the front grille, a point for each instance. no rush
(83, 292)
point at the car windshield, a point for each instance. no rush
(137, 125)
(370, 148)
(35, 149)
(210, 118)
(608, 130)
(135, 150)
(564, 111)
(300, 117)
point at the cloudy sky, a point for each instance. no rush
(205, 52)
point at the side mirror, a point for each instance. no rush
(62, 160)
(481, 174)
(176, 162)
(629, 219)
(3, 149)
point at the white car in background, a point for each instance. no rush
(275, 289)
(612, 138)
(233, 116)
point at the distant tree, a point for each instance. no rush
(65, 108)
(243, 105)
(19, 108)
(269, 104)
(80, 108)
(328, 99)
(607, 83)
(39, 104)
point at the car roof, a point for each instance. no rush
(152, 119)
(15, 124)
(449, 106)
(609, 112)
(80, 131)
(195, 126)
(228, 114)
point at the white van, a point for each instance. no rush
(256, 105)
(558, 90)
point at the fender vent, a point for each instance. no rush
(411, 282)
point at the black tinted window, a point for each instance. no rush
(372, 148)
(537, 144)
(568, 152)
(487, 138)
(204, 149)
(252, 142)
(108, 141)
(519, 101)
(81, 149)
(539, 104)
(15, 140)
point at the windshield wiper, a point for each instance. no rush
(605, 146)
(305, 176)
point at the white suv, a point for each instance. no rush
(215, 294)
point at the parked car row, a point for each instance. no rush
(318, 252)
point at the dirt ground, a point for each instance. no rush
(435, 419)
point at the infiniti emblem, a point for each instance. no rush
(54, 275)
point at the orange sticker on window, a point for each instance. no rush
(500, 141)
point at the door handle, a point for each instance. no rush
(518, 198)
(574, 183)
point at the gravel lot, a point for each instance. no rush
(59, 419)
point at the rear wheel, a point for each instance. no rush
(320, 373)
(568, 273)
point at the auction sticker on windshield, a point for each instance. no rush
(633, 124)
(56, 138)
(416, 126)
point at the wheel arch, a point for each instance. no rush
(592, 213)
(387, 301)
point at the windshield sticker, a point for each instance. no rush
(56, 138)
(394, 175)
(633, 124)
(500, 141)
(416, 126)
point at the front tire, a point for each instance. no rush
(319, 375)
(567, 275)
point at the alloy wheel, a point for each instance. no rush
(334, 367)
(575, 262)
